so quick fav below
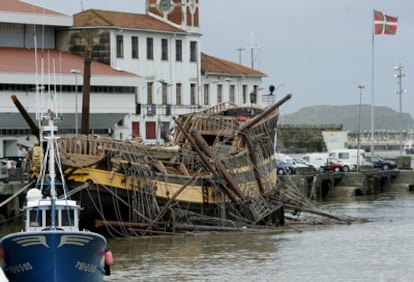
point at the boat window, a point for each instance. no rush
(48, 218)
(68, 218)
(35, 218)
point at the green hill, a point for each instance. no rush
(348, 116)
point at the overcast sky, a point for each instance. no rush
(318, 50)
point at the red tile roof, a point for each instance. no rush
(20, 60)
(24, 7)
(121, 19)
(210, 64)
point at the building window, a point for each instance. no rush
(193, 51)
(119, 46)
(219, 93)
(164, 93)
(206, 94)
(134, 47)
(255, 90)
(164, 49)
(150, 48)
(179, 50)
(244, 93)
(232, 93)
(149, 93)
(178, 94)
(193, 94)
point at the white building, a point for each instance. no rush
(54, 69)
(156, 67)
(163, 47)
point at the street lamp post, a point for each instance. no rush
(76, 72)
(361, 88)
(400, 91)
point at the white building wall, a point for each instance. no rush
(157, 70)
(226, 81)
(170, 72)
(99, 102)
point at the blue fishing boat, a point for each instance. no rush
(51, 247)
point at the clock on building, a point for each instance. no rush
(164, 5)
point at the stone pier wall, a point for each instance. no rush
(330, 185)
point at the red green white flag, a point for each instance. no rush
(384, 24)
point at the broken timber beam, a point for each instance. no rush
(219, 165)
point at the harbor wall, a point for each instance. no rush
(320, 186)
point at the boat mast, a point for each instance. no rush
(51, 165)
(48, 129)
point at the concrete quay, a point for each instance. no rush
(319, 186)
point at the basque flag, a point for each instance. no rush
(384, 24)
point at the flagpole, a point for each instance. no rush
(372, 85)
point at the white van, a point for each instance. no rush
(409, 147)
(318, 159)
(348, 156)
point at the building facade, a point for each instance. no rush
(30, 61)
(163, 48)
(154, 66)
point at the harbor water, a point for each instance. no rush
(381, 249)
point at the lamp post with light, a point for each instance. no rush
(400, 91)
(361, 88)
(76, 72)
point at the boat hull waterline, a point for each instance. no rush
(54, 256)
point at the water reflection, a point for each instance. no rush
(190, 258)
(379, 250)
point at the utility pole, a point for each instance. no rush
(361, 88)
(399, 92)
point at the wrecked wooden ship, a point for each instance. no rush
(217, 173)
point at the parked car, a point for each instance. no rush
(295, 163)
(349, 156)
(379, 162)
(9, 164)
(317, 159)
(11, 168)
(336, 165)
(304, 163)
(284, 168)
(332, 165)
(19, 160)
